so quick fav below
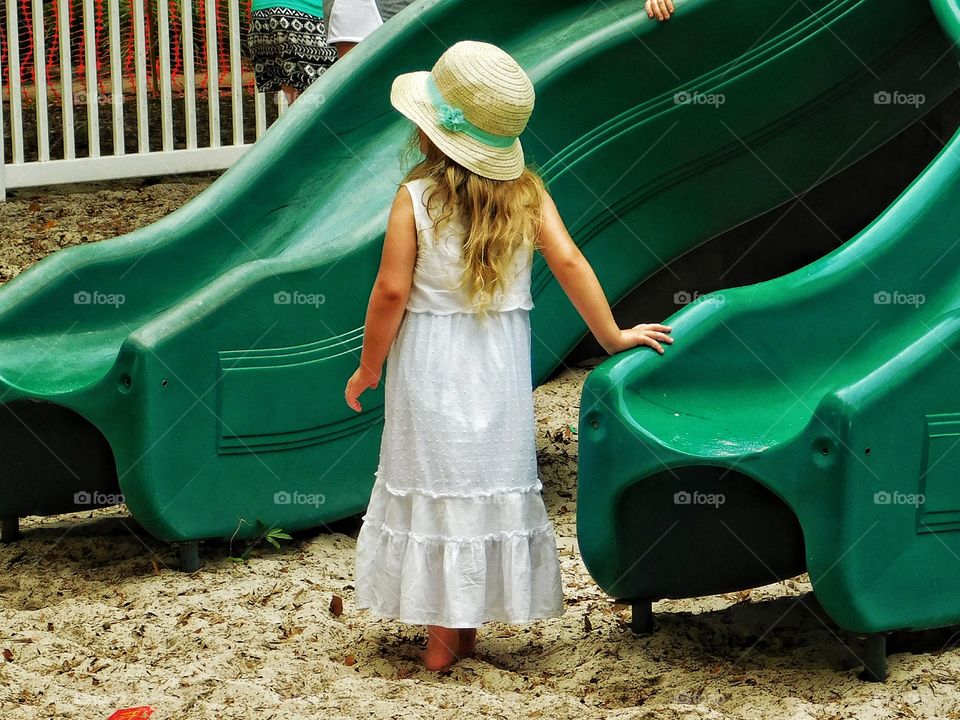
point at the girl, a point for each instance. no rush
(456, 533)
(350, 21)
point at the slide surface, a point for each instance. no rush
(197, 366)
(811, 422)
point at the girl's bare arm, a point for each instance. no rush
(580, 283)
(388, 297)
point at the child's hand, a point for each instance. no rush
(662, 9)
(362, 379)
(650, 335)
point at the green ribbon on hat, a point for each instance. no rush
(452, 119)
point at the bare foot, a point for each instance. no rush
(468, 642)
(442, 648)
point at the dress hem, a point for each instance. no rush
(453, 624)
(523, 306)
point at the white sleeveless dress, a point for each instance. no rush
(456, 532)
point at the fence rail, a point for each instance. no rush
(103, 89)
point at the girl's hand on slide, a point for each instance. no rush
(651, 335)
(661, 9)
(361, 380)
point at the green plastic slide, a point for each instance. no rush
(196, 367)
(811, 422)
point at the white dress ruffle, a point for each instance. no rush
(458, 561)
(456, 532)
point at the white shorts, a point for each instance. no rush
(351, 20)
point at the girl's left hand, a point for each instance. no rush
(662, 9)
(361, 380)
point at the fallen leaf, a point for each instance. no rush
(336, 605)
(7, 655)
(138, 713)
(349, 660)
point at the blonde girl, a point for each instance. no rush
(456, 533)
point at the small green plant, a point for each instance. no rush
(272, 535)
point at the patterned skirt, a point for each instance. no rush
(288, 47)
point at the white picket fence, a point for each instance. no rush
(80, 108)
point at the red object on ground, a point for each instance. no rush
(137, 713)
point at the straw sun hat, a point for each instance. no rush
(473, 105)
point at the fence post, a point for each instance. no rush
(3, 147)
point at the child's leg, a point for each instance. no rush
(291, 92)
(442, 648)
(467, 641)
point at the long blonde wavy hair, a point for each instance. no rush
(501, 217)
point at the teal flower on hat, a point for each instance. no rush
(451, 117)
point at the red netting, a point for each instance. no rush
(26, 44)
(53, 46)
(99, 35)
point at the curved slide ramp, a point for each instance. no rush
(811, 422)
(196, 366)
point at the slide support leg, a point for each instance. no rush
(189, 554)
(875, 658)
(641, 618)
(9, 529)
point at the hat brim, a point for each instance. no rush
(409, 95)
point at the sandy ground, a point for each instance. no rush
(96, 617)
